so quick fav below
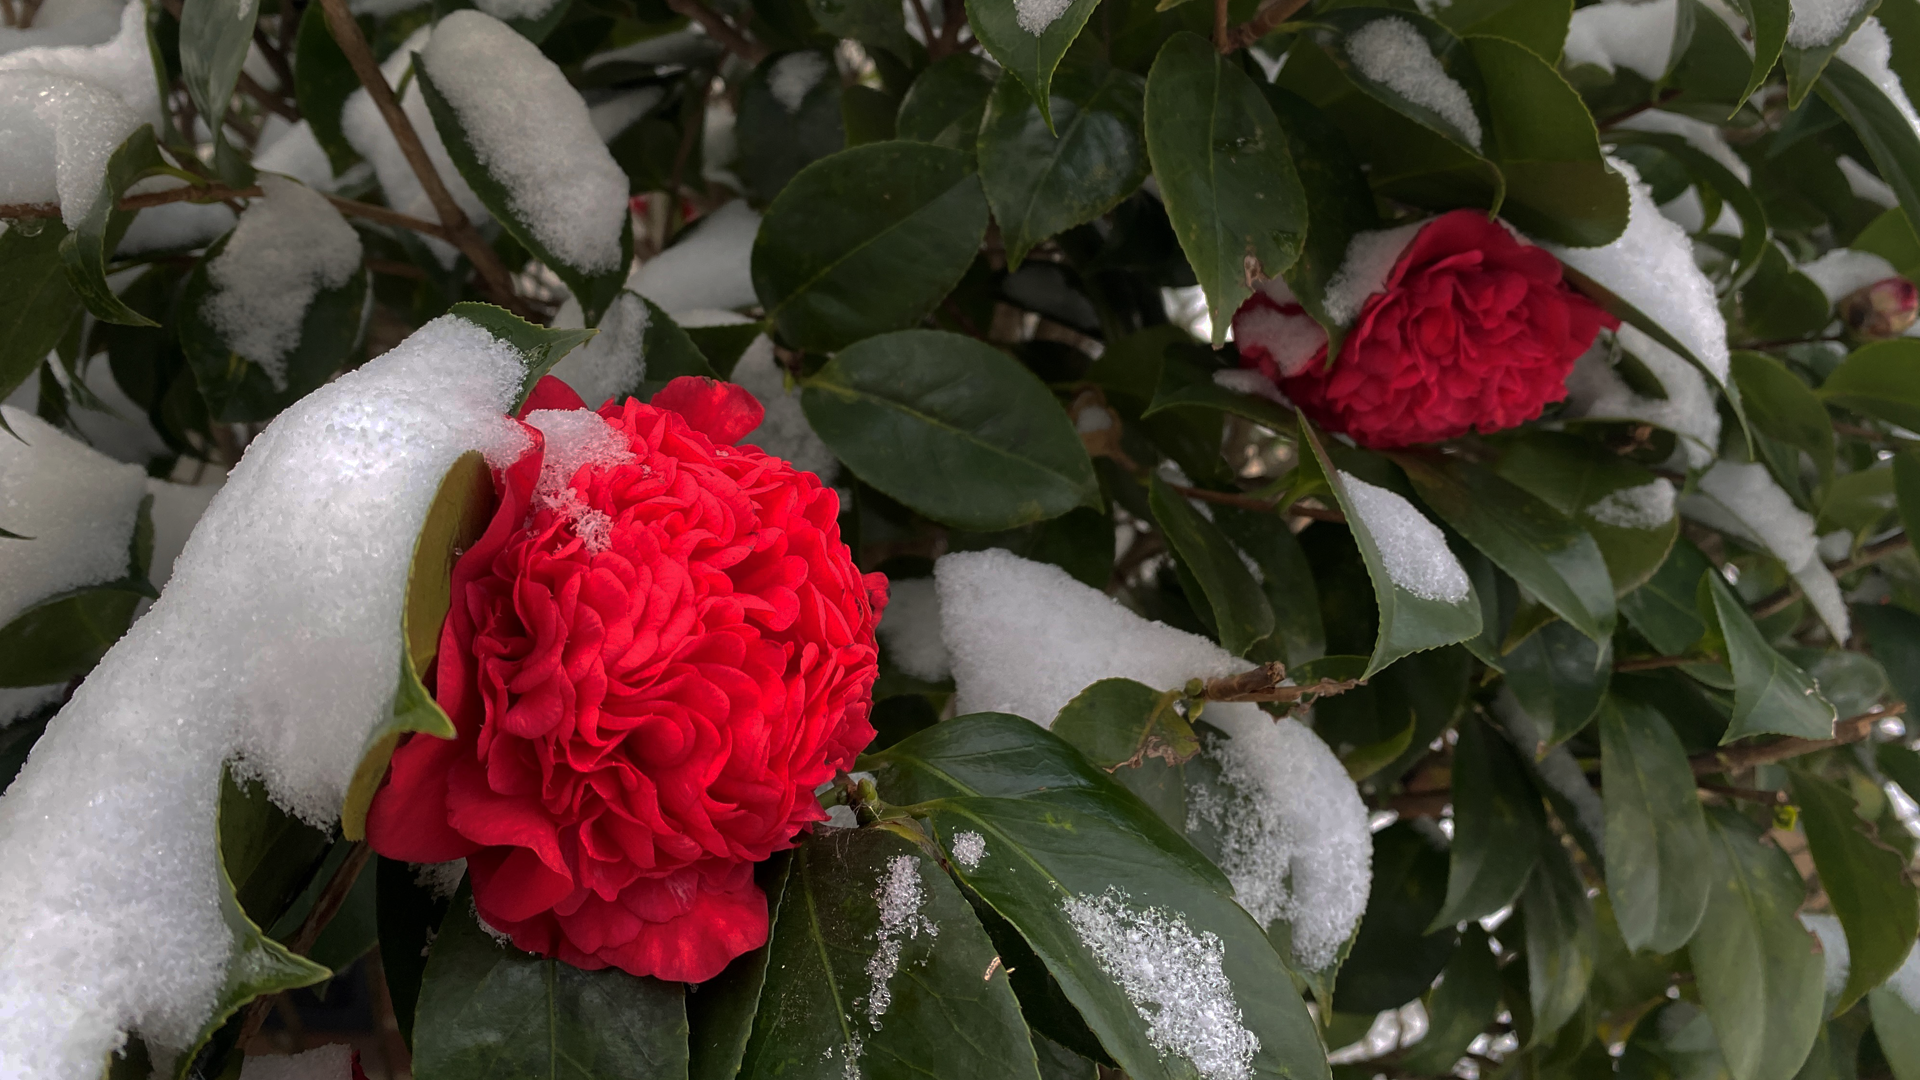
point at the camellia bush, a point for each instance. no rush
(1036, 539)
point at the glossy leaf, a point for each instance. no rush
(494, 1011)
(1559, 676)
(1666, 609)
(1576, 477)
(1783, 407)
(215, 36)
(84, 250)
(1890, 140)
(720, 1017)
(1658, 857)
(1770, 695)
(1499, 826)
(1881, 380)
(37, 305)
(1395, 957)
(945, 104)
(1241, 614)
(540, 347)
(866, 241)
(1448, 51)
(1803, 66)
(953, 428)
(1342, 204)
(1561, 940)
(1041, 179)
(1896, 1027)
(1285, 576)
(1756, 967)
(322, 83)
(1225, 173)
(1460, 1008)
(777, 142)
(1119, 722)
(1028, 47)
(407, 918)
(1865, 880)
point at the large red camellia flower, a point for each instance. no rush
(1472, 330)
(656, 653)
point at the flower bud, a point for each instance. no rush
(1883, 309)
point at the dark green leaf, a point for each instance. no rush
(61, 637)
(1395, 959)
(1448, 50)
(776, 142)
(1767, 21)
(1186, 382)
(1540, 25)
(36, 303)
(872, 23)
(1459, 1009)
(1561, 940)
(946, 102)
(1031, 52)
(322, 83)
(214, 38)
(408, 917)
(867, 241)
(1543, 549)
(1241, 615)
(1881, 380)
(1576, 477)
(1666, 609)
(1119, 722)
(670, 353)
(1783, 407)
(1039, 183)
(1558, 675)
(1225, 173)
(1896, 1027)
(488, 1010)
(1336, 189)
(721, 1015)
(1901, 765)
(1285, 576)
(1059, 1063)
(1657, 850)
(1865, 880)
(1803, 66)
(1499, 826)
(84, 250)
(1890, 140)
(542, 347)
(1770, 695)
(953, 428)
(1779, 302)
(1756, 967)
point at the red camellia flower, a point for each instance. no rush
(656, 653)
(1471, 331)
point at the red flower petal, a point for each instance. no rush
(722, 411)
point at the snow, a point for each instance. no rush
(1648, 506)
(1833, 946)
(1034, 16)
(1026, 638)
(1596, 391)
(530, 129)
(1816, 23)
(77, 506)
(288, 248)
(179, 226)
(442, 879)
(367, 132)
(1870, 53)
(176, 509)
(1391, 52)
(331, 1062)
(1291, 339)
(1651, 266)
(910, 630)
(1412, 549)
(967, 849)
(66, 23)
(1638, 37)
(1239, 380)
(1742, 499)
(1293, 831)
(1700, 135)
(794, 76)
(59, 133)
(515, 9)
(1369, 260)
(17, 703)
(1906, 981)
(297, 153)
(899, 899)
(617, 114)
(122, 431)
(784, 431)
(709, 267)
(1172, 976)
(613, 362)
(1844, 270)
(278, 644)
(122, 66)
(1865, 185)
(577, 439)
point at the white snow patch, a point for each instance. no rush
(841, 817)
(19, 702)
(1870, 52)
(1865, 185)
(910, 629)
(1240, 381)
(617, 114)
(1412, 548)
(1906, 981)
(1597, 391)
(1026, 638)
(298, 154)
(1816, 23)
(784, 431)
(123, 66)
(1034, 16)
(1638, 37)
(1702, 136)
(58, 133)
(1844, 270)
(176, 509)
(1833, 947)
(178, 226)
(442, 879)
(529, 127)
(967, 849)
(1290, 339)
(614, 361)
(709, 267)
(331, 1062)
(77, 505)
(1742, 499)
(515, 9)
(794, 76)
(1172, 976)
(899, 899)
(65, 23)
(1392, 52)
(277, 644)
(287, 248)
(577, 439)
(1293, 831)
(1369, 260)
(1647, 506)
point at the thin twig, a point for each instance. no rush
(325, 907)
(208, 193)
(720, 30)
(268, 100)
(926, 21)
(1252, 502)
(1263, 23)
(1784, 597)
(1268, 682)
(1653, 663)
(1759, 795)
(459, 230)
(1220, 26)
(277, 60)
(953, 17)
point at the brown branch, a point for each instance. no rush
(325, 907)
(1780, 600)
(28, 9)
(953, 17)
(1652, 663)
(277, 60)
(720, 30)
(218, 193)
(1644, 106)
(1263, 23)
(1220, 26)
(268, 100)
(6, 11)
(459, 230)
(1759, 795)
(1252, 502)
(926, 22)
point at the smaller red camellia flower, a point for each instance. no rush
(1471, 330)
(656, 653)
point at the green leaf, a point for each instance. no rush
(1783, 407)
(1448, 50)
(214, 38)
(322, 83)
(1224, 171)
(1657, 848)
(1708, 170)
(1285, 576)
(1561, 940)
(670, 353)
(1901, 765)
(1759, 976)
(1896, 1027)
(1559, 676)
(540, 346)
(37, 305)
(952, 427)
(1039, 183)
(1881, 380)
(1186, 382)
(1241, 614)
(1770, 695)
(1882, 128)
(775, 142)
(1865, 880)
(721, 1016)
(1408, 623)
(1459, 1009)
(1119, 722)
(1030, 56)
(1576, 476)
(1803, 66)
(407, 918)
(825, 1014)
(1540, 25)
(1499, 826)
(1041, 857)
(1395, 957)
(1544, 550)
(488, 1010)
(1336, 188)
(456, 518)
(61, 637)
(945, 104)
(84, 251)
(866, 241)
(1666, 609)
(880, 23)
(1767, 22)
(237, 388)
(594, 288)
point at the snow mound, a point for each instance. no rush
(76, 505)
(1393, 53)
(1596, 391)
(123, 65)
(1648, 506)
(1364, 270)
(1844, 270)
(1638, 37)
(613, 362)
(1413, 549)
(910, 630)
(794, 76)
(1742, 499)
(59, 133)
(784, 431)
(709, 267)
(1816, 23)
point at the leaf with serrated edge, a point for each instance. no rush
(1770, 695)
(1866, 881)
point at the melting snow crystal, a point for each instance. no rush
(967, 849)
(1413, 549)
(1636, 36)
(1034, 16)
